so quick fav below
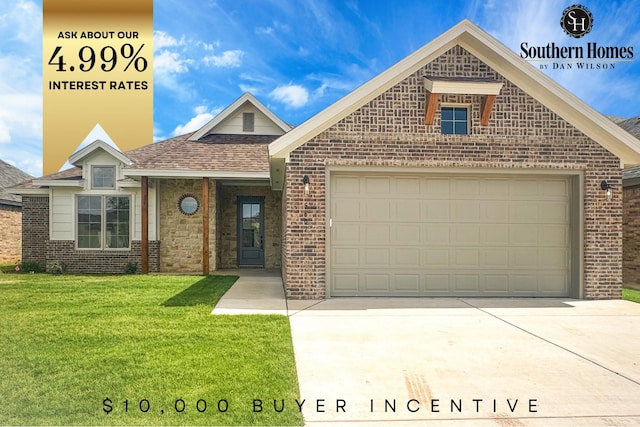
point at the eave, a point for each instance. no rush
(193, 174)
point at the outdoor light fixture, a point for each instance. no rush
(305, 181)
(606, 187)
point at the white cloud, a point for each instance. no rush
(267, 31)
(162, 40)
(294, 96)
(202, 117)
(228, 59)
(248, 88)
(170, 62)
(5, 136)
(24, 20)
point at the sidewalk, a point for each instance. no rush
(257, 291)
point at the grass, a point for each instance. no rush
(69, 343)
(631, 294)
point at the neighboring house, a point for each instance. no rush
(631, 212)
(10, 213)
(460, 171)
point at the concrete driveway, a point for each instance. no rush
(505, 362)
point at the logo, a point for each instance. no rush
(576, 21)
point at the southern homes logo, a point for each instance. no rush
(576, 21)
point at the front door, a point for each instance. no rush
(250, 231)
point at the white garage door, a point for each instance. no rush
(435, 235)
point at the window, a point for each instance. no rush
(103, 222)
(455, 120)
(188, 204)
(247, 122)
(103, 177)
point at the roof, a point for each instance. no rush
(78, 157)
(220, 156)
(217, 154)
(246, 97)
(9, 177)
(499, 58)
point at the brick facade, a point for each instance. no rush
(631, 234)
(35, 228)
(37, 246)
(390, 131)
(228, 224)
(10, 233)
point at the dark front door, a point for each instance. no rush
(251, 231)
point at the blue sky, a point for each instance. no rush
(299, 56)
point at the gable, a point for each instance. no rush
(492, 54)
(233, 124)
(230, 120)
(401, 109)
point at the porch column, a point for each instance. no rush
(144, 244)
(205, 226)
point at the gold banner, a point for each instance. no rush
(97, 66)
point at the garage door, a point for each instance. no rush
(435, 235)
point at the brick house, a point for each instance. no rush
(460, 171)
(10, 213)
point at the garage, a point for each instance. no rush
(408, 234)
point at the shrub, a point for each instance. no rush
(56, 268)
(31, 267)
(131, 268)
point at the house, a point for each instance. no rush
(460, 171)
(631, 212)
(155, 206)
(10, 213)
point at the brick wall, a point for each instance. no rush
(390, 131)
(35, 228)
(631, 234)
(228, 224)
(95, 262)
(10, 233)
(36, 246)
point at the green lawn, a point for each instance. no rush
(148, 344)
(631, 294)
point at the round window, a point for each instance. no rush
(188, 204)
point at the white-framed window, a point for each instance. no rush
(248, 120)
(454, 120)
(103, 177)
(103, 222)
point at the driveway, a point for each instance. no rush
(505, 362)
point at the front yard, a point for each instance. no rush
(138, 350)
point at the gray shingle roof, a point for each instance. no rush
(9, 177)
(239, 153)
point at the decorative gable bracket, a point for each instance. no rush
(436, 86)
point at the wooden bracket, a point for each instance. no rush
(487, 106)
(430, 108)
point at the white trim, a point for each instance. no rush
(501, 59)
(183, 173)
(462, 87)
(77, 157)
(246, 97)
(28, 191)
(59, 182)
(128, 184)
(103, 221)
(115, 177)
(461, 106)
